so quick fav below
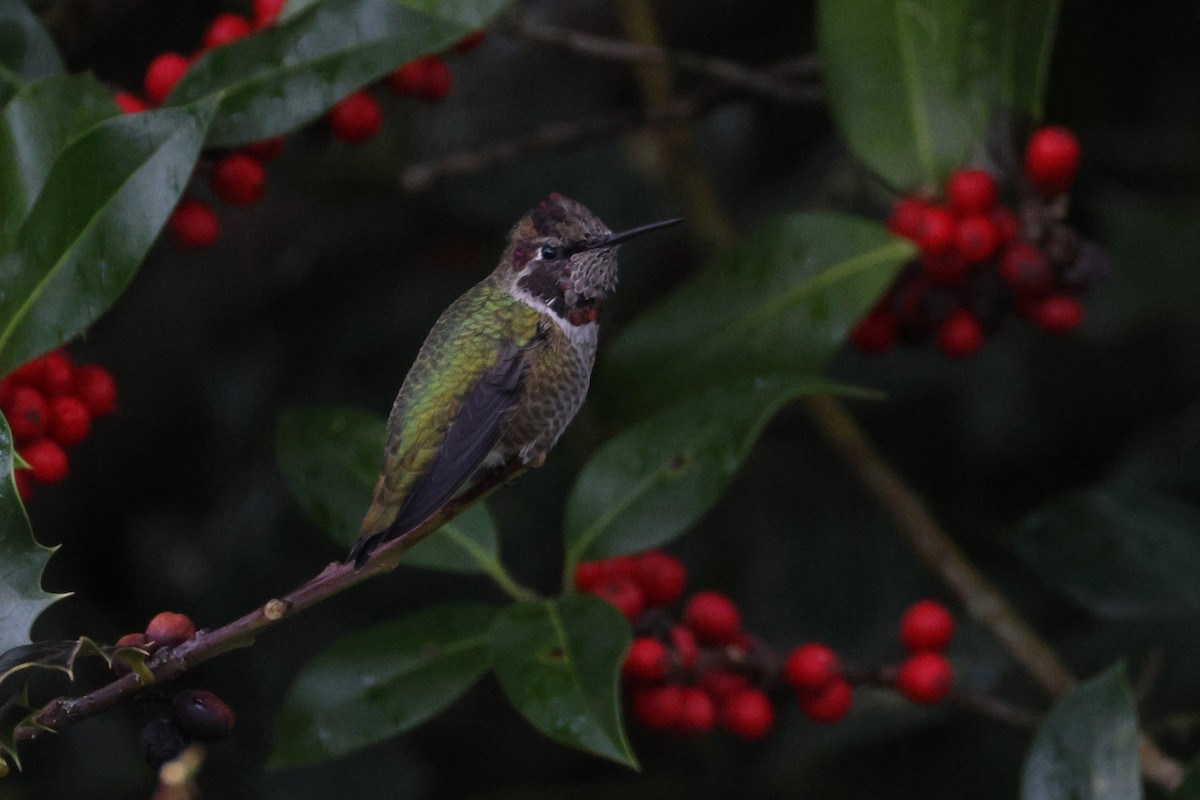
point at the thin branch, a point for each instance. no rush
(336, 577)
(771, 82)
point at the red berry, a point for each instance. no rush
(647, 660)
(1058, 313)
(427, 78)
(194, 224)
(713, 618)
(960, 335)
(28, 413)
(265, 150)
(721, 683)
(925, 678)
(971, 192)
(28, 374)
(58, 373)
(658, 707)
(1007, 224)
(355, 119)
(683, 642)
(697, 713)
(624, 595)
(935, 233)
(225, 29)
(907, 214)
(202, 715)
(46, 460)
(876, 332)
(811, 667)
(70, 420)
(660, 577)
(1051, 159)
(588, 575)
(95, 386)
(828, 704)
(133, 640)
(6, 390)
(129, 103)
(747, 714)
(168, 629)
(946, 267)
(24, 481)
(265, 11)
(161, 76)
(976, 238)
(469, 42)
(926, 626)
(1026, 269)
(239, 179)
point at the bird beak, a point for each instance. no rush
(617, 238)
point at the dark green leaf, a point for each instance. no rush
(26, 49)
(34, 128)
(912, 83)
(1087, 747)
(105, 200)
(1119, 552)
(22, 559)
(290, 73)
(655, 480)
(779, 304)
(558, 662)
(15, 712)
(382, 682)
(331, 459)
(60, 656)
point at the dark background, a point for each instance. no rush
(321, 294)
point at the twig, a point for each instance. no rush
(336, 577)
(770, 82)
(550, 137)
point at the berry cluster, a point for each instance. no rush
(49, 404)
(980, 260)
(706, 671)
(238, 177)
(196, 715)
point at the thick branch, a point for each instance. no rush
(336, 577)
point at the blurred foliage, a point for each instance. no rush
(320, 296)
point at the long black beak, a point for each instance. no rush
(624, 236)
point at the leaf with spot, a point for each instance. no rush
(22, 559)
(655, 480)
(558, 661)
(381, 682)
(913, 84)
(102, 205)
(1087, 746)
(290, 73)
(331, 457)
(777, 305)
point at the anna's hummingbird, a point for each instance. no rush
(503, 370)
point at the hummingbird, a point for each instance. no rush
(503, 370)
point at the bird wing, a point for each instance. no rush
(447, 418)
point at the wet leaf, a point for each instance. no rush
(558, 661)
(1087, 746)
(381, 682)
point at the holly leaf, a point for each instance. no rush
(912, 84)
(290, 73)
(27, 52)
(102, 204)
(1142, 551)
(35, 126)
(60, 656)
(1087, 746)
(558, 661)
(381, 682)
(779, 304)
(22, 559)
(655, 480)
(15, 712)
(330, 457)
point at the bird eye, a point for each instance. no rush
(549, 252)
